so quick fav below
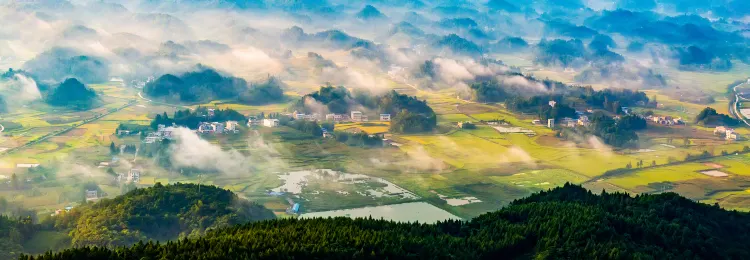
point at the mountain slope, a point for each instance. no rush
(567, 222)
(158, 213)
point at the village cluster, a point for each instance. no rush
(354, 116)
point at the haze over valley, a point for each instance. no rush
(142, 120)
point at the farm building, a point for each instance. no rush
(298, 116)
(665, 120)
(568, 122)
(211, 128)
(584, 121)
(253, 122)
(728, 133)
(231, 126)
(356, 116)
(312, 117)
(134, 175)
(27, 165)
(92, 195)
(722, 129)
(334, 117)
(205, 127)
(385, 117)
(551, 123)
(270, 122)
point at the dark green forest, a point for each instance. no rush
(709, 117)
(206, 85)
(73, 94)
(568, 222)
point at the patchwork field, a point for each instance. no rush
(489, 165)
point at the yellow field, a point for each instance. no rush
(681, 172)
(369, 128)
(453, 118)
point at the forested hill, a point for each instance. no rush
(158, 213)
(567, 222)
(72, 93)
(206, 84)
(410, 115)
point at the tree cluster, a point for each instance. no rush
(709, 117)
(617, 132)
(73, 94)
(206, 85)
(409, 114)
(192, 118)
(359, 139)
(517, 97)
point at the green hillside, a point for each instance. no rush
(567, 222)
(158, 213)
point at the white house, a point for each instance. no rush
(569, 122)
(356, 116)
(270, 122)
(231, 126)
(722, 129)
(167, 132)
(728, 133)
(206, 128)
(252, 121)
(385, 117)
(134, 175)
(551, 123)
(298, 116)
(732, 135)
(218, 127)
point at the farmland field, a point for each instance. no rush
(493, 166)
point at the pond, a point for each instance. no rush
(297, 182)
